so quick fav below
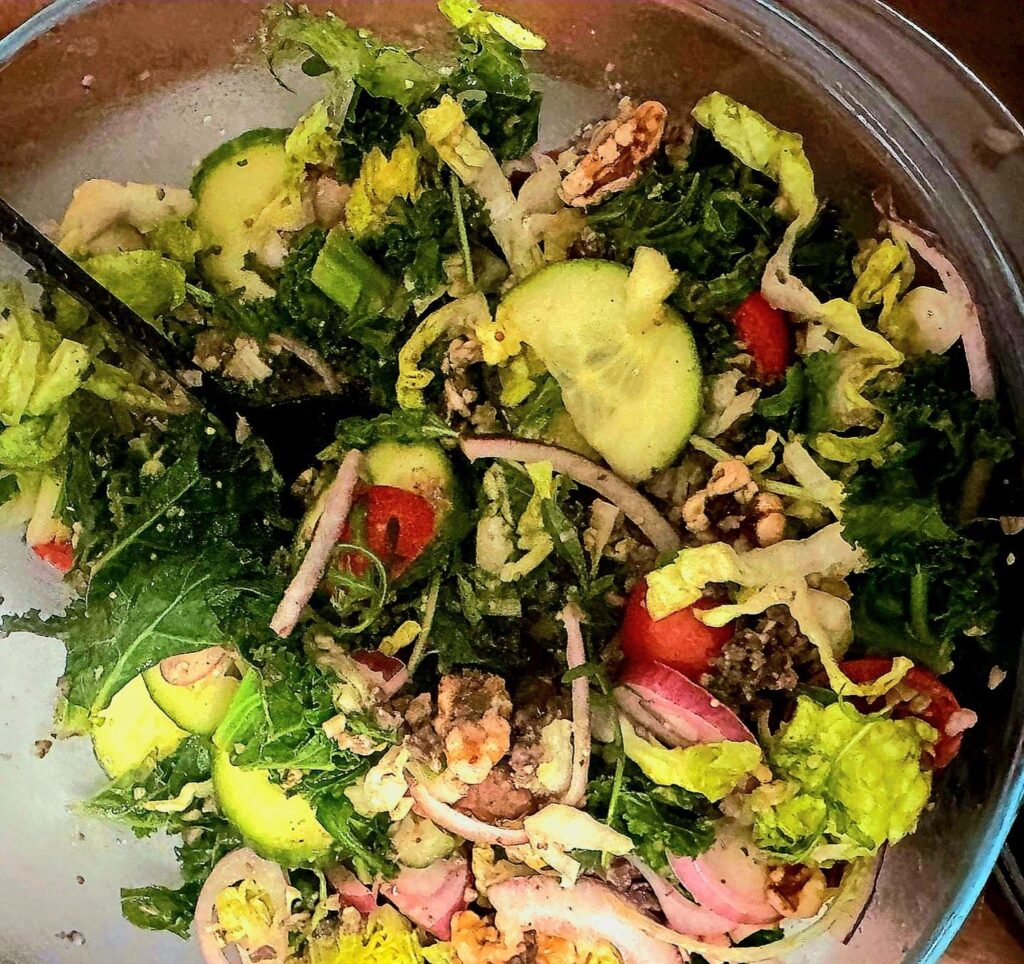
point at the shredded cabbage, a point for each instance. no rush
(775, 575)
(381, 180)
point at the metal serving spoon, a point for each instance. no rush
(294, 429)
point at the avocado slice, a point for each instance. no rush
(276, 826)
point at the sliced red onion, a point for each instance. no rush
(328, 530)
(387, 673)
(447, 818)
(682, 712)
(189, 668)
(682, 914)
(351, 890)
(589, 910)
(576, 656)
(634, 506)
(926, 246)
(239, 865)
(727, 880)
(431, 896)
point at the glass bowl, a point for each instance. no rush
(141, 89)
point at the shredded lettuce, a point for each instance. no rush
(710, 769)
(558, 829)
(776, 575)
(381, 180)
(465, 314)
(461, 148)
(846, 783)
(144, 280)
(388, 938)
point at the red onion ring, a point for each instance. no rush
(606, 483)
(328, 529)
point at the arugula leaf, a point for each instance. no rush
(363, 841)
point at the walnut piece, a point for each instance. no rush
(796, 891)
(473, 711)
(731, 507)
(617, 151)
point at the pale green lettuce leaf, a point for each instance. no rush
(846, 783)
(470, 15)
(34, 441)
(381, 180)
(64, 372)
(146, 281)
(465, 314)
(710, 769)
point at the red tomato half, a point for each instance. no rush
(933, 702)
(767, 334)
(681, 640)
(394, 524)
(60, 554)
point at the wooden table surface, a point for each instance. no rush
(992, 45)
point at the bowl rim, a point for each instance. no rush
(1011, 793)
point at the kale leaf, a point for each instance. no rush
(497, 95)
(159, 908)
(932, 581)
(660, 820)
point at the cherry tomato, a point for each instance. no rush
(767, 334)
(394, 524)
(937, 703)
(59, 553)
(680, 640)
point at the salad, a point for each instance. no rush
(611, 625)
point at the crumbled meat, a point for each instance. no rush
(497, 799)
(461, 391)
(538, 703)
(732, 509)
(423, 740)
(617, 151)
(772, 655)
(473, 711)
(630, 883)
(329, 200)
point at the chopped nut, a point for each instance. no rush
(617, 150)
(796, 891)
(473, 711)
(731, 507)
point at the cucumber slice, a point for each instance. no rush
(420, 467)
(276, 826)
(198, 708)
(231, 187)
(633, 394)
(132, 731)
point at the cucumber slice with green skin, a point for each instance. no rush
(276, 826)
(231, 187)
(420, 467)
(634, 394)
(199, 707)
(133, 731)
